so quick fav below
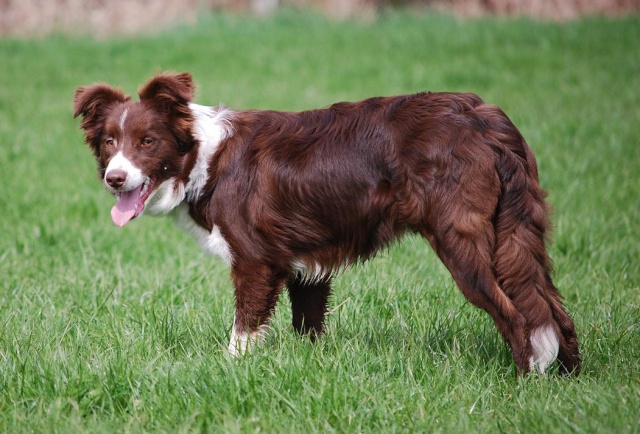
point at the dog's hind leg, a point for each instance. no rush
(466, 250)
(309, 303)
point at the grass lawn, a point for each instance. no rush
(124, 330)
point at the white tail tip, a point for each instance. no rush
(545, 346)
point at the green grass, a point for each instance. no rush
(124, 330)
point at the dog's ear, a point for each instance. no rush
(93, 103)
(92, 100)
(170, 95)
(168, 91)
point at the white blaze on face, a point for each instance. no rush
(123, 117)
(134, 174)
(130, 193)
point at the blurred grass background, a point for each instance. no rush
(107, 329)
(103, 18)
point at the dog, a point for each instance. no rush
(288, 198)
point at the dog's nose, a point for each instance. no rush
(116, 178)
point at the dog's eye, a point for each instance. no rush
(147, 141)
(109, 142)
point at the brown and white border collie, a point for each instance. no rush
(287, 199)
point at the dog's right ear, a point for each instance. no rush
(93, 102)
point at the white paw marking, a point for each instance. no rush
(241, 342)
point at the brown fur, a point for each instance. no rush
(332, 187)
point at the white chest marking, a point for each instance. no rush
(211, 242)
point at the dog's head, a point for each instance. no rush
(141, 147)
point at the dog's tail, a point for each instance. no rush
(523, 269)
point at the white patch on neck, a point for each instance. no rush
(165, 198)
(122, 118)
(211, 127)
(545, 346)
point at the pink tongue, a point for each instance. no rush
(125, 209)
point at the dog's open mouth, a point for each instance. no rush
(131, 203)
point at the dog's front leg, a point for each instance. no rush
(257, 290)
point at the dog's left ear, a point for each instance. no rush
(168, 91)
(170, 95)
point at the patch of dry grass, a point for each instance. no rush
(557, 10)
(105, 17)
(98, 17)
